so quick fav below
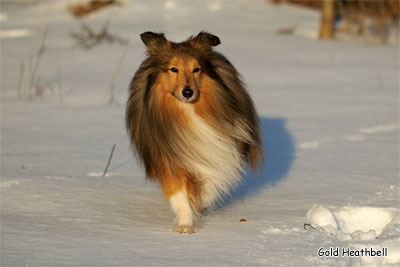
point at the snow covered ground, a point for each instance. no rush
(330, 119)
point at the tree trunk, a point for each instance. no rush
(328, 15)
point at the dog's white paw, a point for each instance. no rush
(185, 229)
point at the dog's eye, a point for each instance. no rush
(174, 69)
(196, 70)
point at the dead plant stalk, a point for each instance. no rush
(21, 75)
(37, 62)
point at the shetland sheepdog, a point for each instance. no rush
(192, 123)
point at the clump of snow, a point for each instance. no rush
(356, 223)
(320, 216)
(363, 219)
(97, 174)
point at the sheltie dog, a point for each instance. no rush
(192, 123)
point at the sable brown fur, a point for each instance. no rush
(157, 125)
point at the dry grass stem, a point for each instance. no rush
(33, 71)
(21, 75)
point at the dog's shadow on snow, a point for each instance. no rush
(279, 154)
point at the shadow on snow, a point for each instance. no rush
(279, 153)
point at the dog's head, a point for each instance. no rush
(181, 66)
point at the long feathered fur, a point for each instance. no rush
(206, 143)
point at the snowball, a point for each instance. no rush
(320, 216)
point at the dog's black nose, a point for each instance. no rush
(187, 93)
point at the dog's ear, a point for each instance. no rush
(207, 38)
(153, 41)
(205, 41)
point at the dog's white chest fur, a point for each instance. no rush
(215, 159)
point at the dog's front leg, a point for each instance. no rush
(179, 203)
(175, 190)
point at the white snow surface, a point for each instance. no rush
(330, 121)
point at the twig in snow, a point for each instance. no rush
(109, 160)
(308, 225)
